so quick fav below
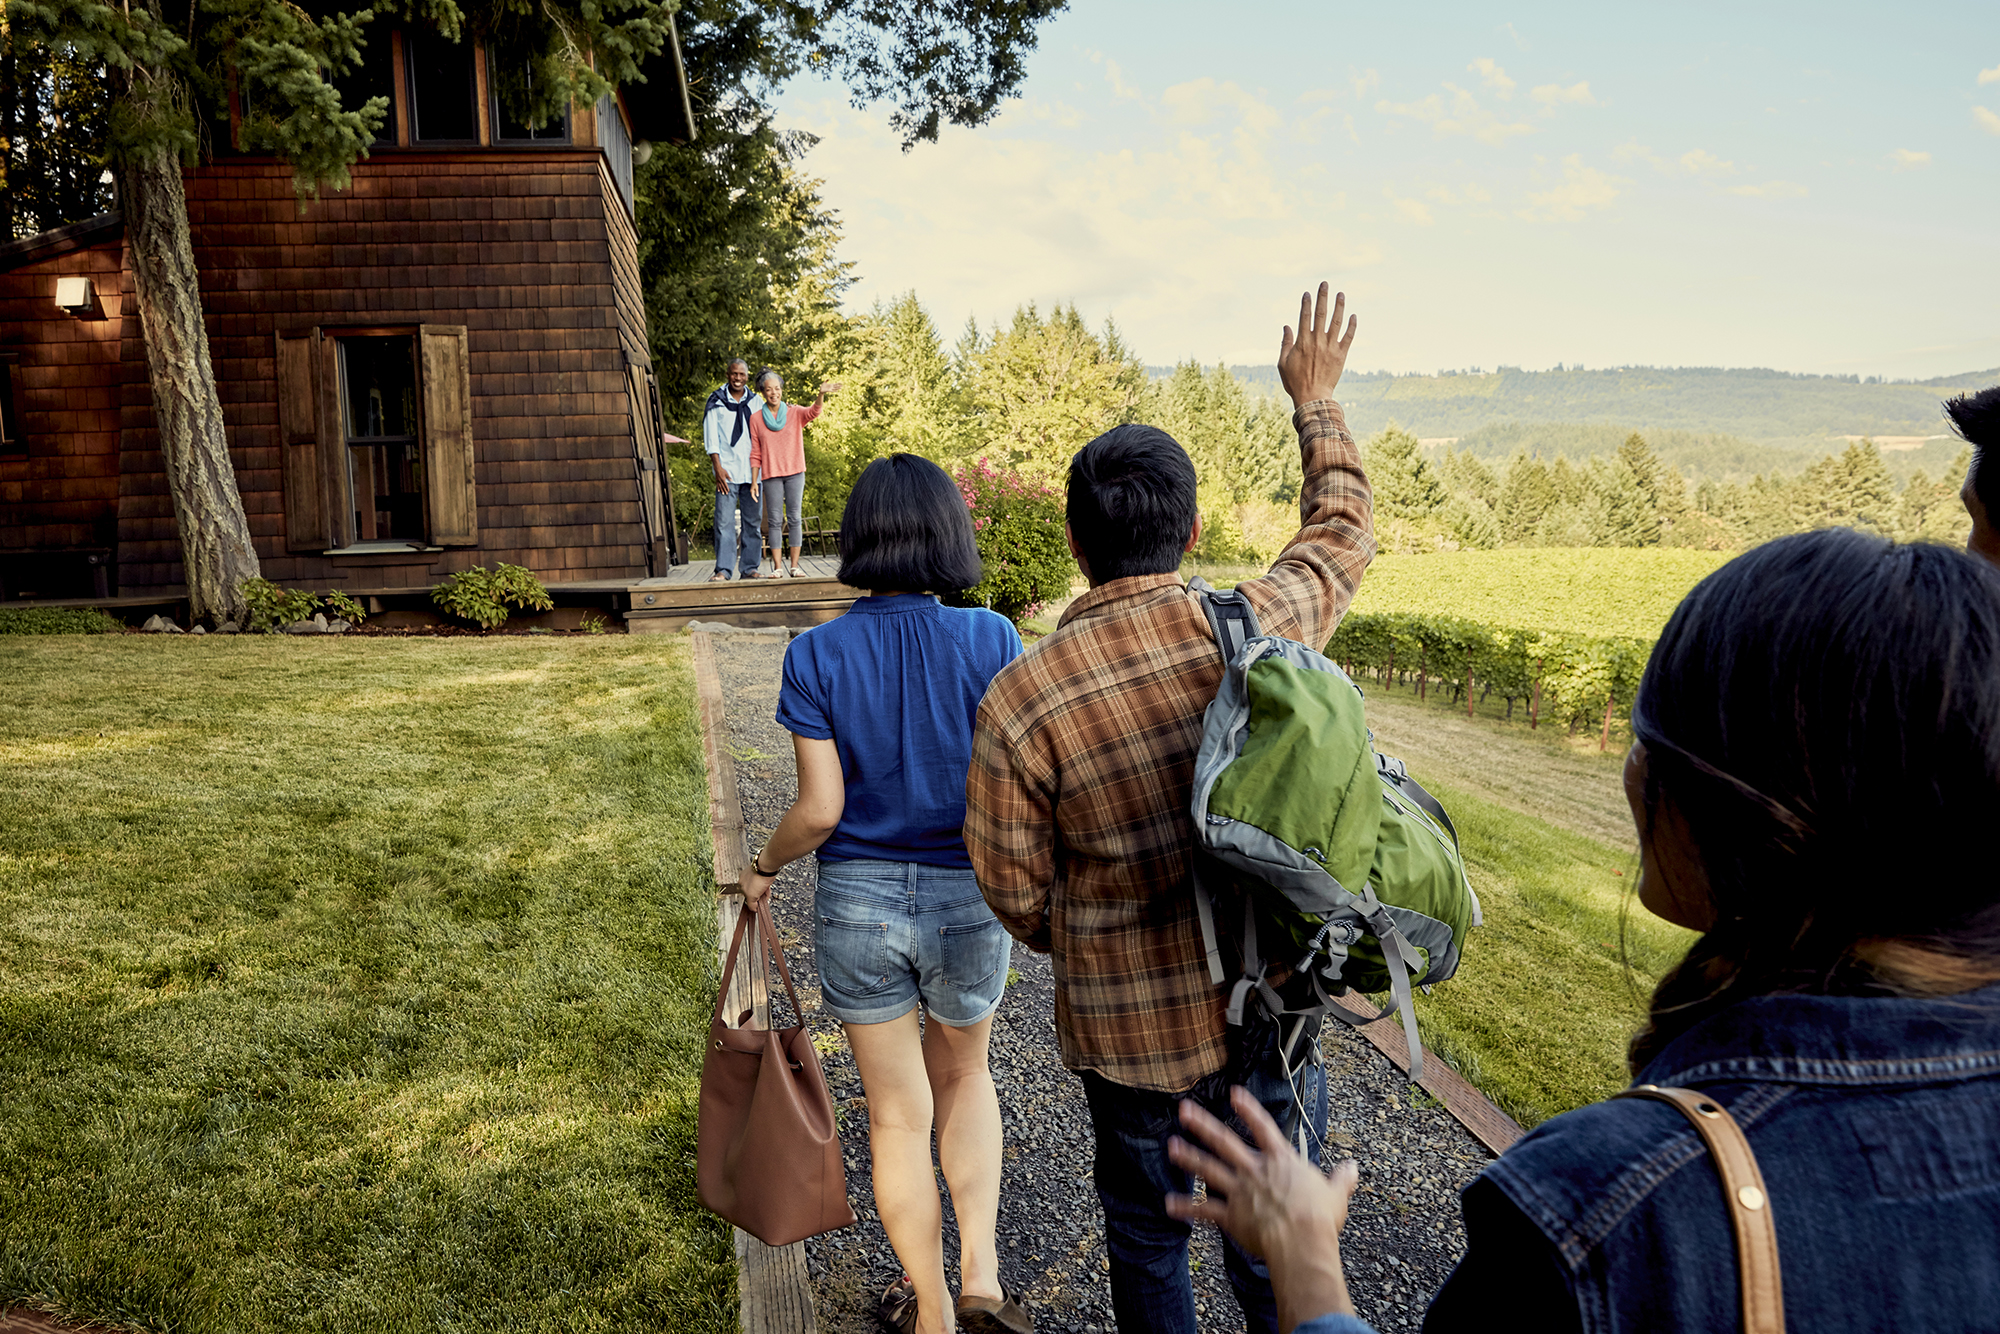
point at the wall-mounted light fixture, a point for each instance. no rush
(642, 152)
(77, 296)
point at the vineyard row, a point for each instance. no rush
(1562, 677)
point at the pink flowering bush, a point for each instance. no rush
(1018, 523)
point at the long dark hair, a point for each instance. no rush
(907, 530)
(1825, 712)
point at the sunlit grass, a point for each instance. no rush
(354, 985)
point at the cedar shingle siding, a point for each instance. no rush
(530, 251)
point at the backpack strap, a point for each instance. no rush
(1395, 771)
(1204, 904)
(1231, 618)
(1743, 1194)
(1404, 963)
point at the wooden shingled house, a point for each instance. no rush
(443, 365)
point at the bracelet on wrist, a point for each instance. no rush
(757, 865)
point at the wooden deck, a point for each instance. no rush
(668, 603)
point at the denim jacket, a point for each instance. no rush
(1876, 1123)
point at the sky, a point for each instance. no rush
(1811, 188)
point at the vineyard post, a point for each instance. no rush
(1535, 706)
(1423, 667)
(1468, 690)
(1389, 682)
(1605, 740)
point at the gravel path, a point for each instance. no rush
(1404, 1231)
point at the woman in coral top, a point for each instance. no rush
(778, 461)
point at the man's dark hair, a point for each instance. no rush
(907, 530)
(1976, 418)
(1131, 502)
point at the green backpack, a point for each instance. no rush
(1351, 868)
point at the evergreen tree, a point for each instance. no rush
(1045, 388)
(1406, 487)
(1849, 489)
(1623, 515)
(1466, 476)
(54, 113)
(1931, 510)
(1525, 497)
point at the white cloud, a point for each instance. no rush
(1549, 96)
(1987, 120)
(1465, 116)
(1413, 210)
(1987, 76)
(1169, 232)
(1492, 76)
(1582, 189)
(1770, 190)
(1694, 162)
(1116, 78)
(1366, 82)
(1905, 160)
(1701, 162)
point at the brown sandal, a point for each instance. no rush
(983, 1315)
(898, 1308)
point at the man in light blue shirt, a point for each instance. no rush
(725, 434)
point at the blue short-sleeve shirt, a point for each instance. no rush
(895, 684)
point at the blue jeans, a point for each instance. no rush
(780, 495)
(888, 934)
(1150, 1288)
(734, 551)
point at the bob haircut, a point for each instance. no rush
(1824, 712)
(906, 530)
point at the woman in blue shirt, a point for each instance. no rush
(1816, 784)
(880, 704)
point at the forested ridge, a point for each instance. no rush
(1764, 406)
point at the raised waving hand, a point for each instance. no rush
(1310, 363)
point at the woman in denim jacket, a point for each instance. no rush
(1816, 782)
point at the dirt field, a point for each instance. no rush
(1543, 774)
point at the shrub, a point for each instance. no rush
(482, 596)
(272, 607)
(57, 621)
(1018, 523)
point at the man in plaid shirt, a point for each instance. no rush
(1077, 809)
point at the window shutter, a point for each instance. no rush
(306, 527)
(449, 485)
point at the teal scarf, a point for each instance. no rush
(776, 423)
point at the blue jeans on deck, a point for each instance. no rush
(734, 551)
(1150, 1287)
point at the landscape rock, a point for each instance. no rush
(319, 619)
(199, 630)
(337, 627)
(227, 628)
(305, 628)
(160, 625)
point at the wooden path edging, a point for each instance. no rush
(771, 1282)
(1473, 1109)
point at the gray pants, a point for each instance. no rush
(734, 550)
(782, 496)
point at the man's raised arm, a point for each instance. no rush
(1309, 587)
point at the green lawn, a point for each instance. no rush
(1555, 983)
(352, 985)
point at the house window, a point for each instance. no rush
(444, 104)
(514, 90)
(385, 469)
(374, 76)
(12, 441)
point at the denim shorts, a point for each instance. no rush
(888, 934)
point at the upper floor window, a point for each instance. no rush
(444, 101)
(373, 77)
(513, 93)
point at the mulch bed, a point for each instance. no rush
(1404, 1231)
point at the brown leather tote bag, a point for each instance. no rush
(767, 1155)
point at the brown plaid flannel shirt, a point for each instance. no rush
(1083, 768)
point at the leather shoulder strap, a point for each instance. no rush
(1748, 1203)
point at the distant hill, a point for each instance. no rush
(1773, 408)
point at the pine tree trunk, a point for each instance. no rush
(216, 551)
